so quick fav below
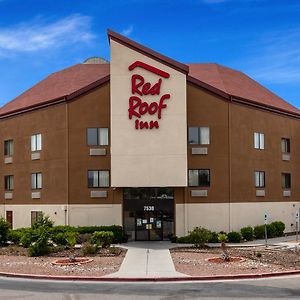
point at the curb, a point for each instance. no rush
(149, 279)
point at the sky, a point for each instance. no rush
(258, 37)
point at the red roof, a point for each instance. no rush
(237, 84)
(82, 77)
(57, 86)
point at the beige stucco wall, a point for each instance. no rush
(233, 216)
(145, 157)
(75, 215)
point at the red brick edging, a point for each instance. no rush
(150, 279)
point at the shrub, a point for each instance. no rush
(88, 248)
(279, 227)
(184, 240)
(214, 237)
(247, 233)
(199, 236)
(27, 238)
(44, 221)
(102, 238)
(222, 237)
(259, 231)
(67, 238)
(4, 229)
(15, 236)
(271, 230)
(234, 237)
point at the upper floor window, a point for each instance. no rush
(9, 182)
(98, 178)
(36, 181)
(259, 179)
(199, 135)
(8, 147)
(97, 136)
(199, 177)
(259, 140)
(36, 142)
(285, 145)
(286, 180)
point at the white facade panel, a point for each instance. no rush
(147, 157)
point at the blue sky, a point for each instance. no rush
(258, 37)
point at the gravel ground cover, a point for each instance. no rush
(257, 260)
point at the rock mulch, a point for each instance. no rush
(15, 260)
(257, 260)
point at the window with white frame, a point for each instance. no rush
(285, 145)
(36, 181)
(98, 178)
(259, 140)
(259, 179)
(199, 135)
(97, 136)
(8, 148)
(36, 142)
(9, 182)
(286, 180)
(35, 216)
(199, 177)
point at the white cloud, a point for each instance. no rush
(127, 31)
(277, 58)
(36, 35)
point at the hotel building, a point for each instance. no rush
(151, 144)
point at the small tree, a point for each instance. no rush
(4, 229)
(222, 238)
(199, 236)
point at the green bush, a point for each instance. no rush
(42, 221)
(184, 240)
(222, 237)
(247, 233)
(259, 231)
(214, 237)
(15, 236)
(199, 236)
(4, 229)
(234, 237)
(271, 230)
(27, 238)
(279, 227)
(102, 238)
(88, 248)
(67, 238)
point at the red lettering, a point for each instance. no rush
(144, 125)
(161, 104)
(153, 108)
(136, 124)
(153, 124)
(143, 108)
(156, 88)
(146, 88)
(136, 85)
(134, 102)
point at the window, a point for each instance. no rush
(286, 180)
(8, 147)
(35, 216)
(97, 136)
(98, 179)
(9, 182)
(36, 181)
(36, 142)
(259, 179)
(285, 145)
(199, 135)
(199, 178)
(259, 140)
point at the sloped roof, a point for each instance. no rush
(57, 86)
(82, 77)
(238, 84)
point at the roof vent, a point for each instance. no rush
(95, 60)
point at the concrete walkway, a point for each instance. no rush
(147, 260)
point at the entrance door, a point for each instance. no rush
(148, 213)
(148, 226)
(9, 217)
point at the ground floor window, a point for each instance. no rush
(35, 215)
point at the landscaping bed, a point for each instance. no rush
(256, 260)
(15, 259)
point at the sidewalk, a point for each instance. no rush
(153, 259)
(147, 260)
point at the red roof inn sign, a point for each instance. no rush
(139, 88)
